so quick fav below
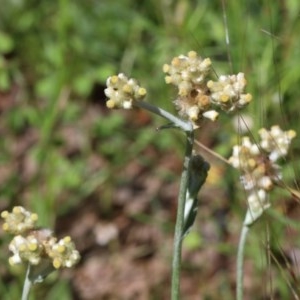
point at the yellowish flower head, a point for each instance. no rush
(122, 92)
(19, 220)
(36, 246)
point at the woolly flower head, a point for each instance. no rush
(257, 161)
(197, 94)
(257, 164)
(63, 253)
(19, 220)
(276, 142)
(123, 92)
(36, 246)
(228, 92)
(189, 73)
(28, 248)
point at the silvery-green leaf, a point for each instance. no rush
(196, 178)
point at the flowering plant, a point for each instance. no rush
(36, 247)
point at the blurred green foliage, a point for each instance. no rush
(55, 57)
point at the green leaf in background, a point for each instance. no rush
(6, 42)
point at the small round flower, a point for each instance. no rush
(258, 171)
(244, 155)
(63, 253)
(258, 168)
(276, 141)
(187, 72)
(36, 246)
(25, 249)
(196, 93)
(123, 92)
(19, 220)
(228, 92)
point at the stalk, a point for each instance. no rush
(240, 262)
(187, 127)
(179, 227)
(27, 285)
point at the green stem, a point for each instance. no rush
(187, 127)
(27, 285)
(179, 227)
(240, 262)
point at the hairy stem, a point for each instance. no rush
(187, 127)
(179, 227)
(184, 125)
(240, 262)
(27, 285)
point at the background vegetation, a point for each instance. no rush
(109, 179)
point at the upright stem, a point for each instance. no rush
(240, 262)
(187, 127)
(178, 236)
(27, 285)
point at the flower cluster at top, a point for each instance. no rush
(257, 162)
(123, 92)
(196, 92)
(34, 245)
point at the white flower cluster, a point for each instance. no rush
(186, 72)
(63, 253)
(34, 245)
(257, 163)
(276, 142)
(197, 93)
(227, 92)
(25, 249)
(123, 92)
(19, 221)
